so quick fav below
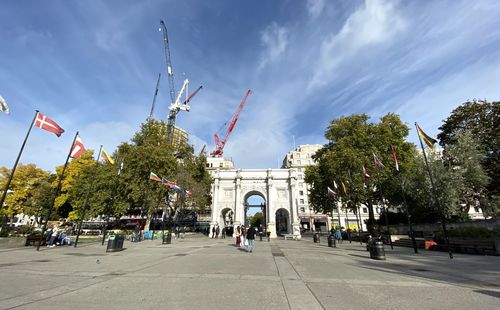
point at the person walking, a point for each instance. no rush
(213, 232)
(217, 231)
(238, 236)
(261, 232)
(251, 239)
(243, 235)
(223, 236)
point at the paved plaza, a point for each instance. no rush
(202, 273)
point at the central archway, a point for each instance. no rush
(255, 209)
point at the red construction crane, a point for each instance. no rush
(219, 145)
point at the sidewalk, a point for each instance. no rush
(202, 273)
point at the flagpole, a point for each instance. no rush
(87, 195)
(435, 195)
(112, 204)
(58, 189)
(412, 234)
(4, 195)
(385, 211)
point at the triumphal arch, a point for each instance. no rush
(232, 187)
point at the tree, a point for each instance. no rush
(482, 119)
(353, 141)
(465, 159)
(257, 219)
(31, 192)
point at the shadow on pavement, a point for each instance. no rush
(489, 293)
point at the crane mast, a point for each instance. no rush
(168, 59)
(154, 97)
(219, 145)
(175, 102)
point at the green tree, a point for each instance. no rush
(465, 160)
(353, 141)
(482, 119)
(257, 219)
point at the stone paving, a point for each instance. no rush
(202, 273)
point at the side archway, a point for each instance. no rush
(283, 224)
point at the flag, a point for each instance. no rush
(78, 148)
(377, 162)
(331, 192)
(154, 177)
(46, 123)
(121, 167)
(365, 173)
(395, 157)
(106, 156)
(3, 106)
(344, 187)
(167, 182)
(428, 140)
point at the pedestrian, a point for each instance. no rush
(53, 237)
(243, 235)
(338, 235)
(213, 231)
(238, 236)
(251, 239)
(261, 232)
(223, 233)
(217, 231)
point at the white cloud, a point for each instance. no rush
(373, 23)
(315, 7)
(275, 41)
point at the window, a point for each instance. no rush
(299, 169)
(302, 209)
(208, 165)
(299, 177)
(301, 193)
(365, 210)
(301, 201)
(301, 184)
(299, 162)
(221, 165)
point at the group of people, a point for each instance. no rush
(57, 237)
(246, 237)
(216, 231)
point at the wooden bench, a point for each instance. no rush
(290, 236)
(470, 246)
(34, 239)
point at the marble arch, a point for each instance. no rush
(232, 187)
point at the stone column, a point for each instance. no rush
(239, 209)
(215, 201)
(271, 213)
(294, 219)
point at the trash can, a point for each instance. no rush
(377, 250)
(167, 237)
(115, 243)
(331, 241)
(316, 237)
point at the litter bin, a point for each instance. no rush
(316, 237)
(377, 250)
(115, 243)
(332, 241)
(167, 237)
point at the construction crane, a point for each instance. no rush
(175, 104)
(219, 145)
(154, 97)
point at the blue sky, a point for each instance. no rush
(92, 66)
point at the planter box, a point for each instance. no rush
(12, 242)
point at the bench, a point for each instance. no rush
(34, 239)
(469, 246)
(290, 236)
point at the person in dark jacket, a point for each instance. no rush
(251, 239)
